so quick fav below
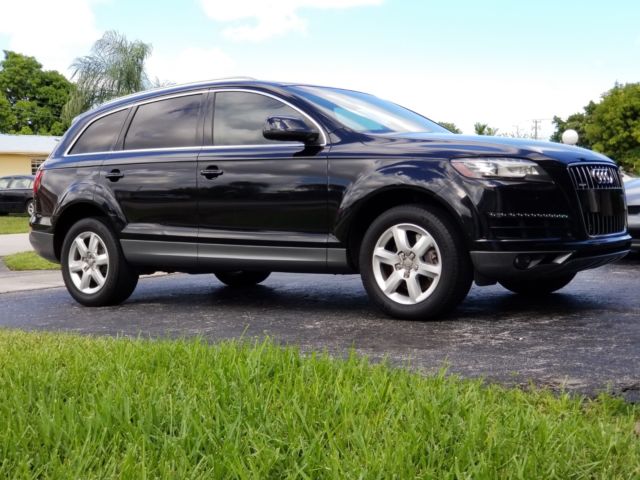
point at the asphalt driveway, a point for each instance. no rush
(585, 339)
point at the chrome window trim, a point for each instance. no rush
(125, 107)
(203, 147)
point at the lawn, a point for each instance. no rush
(79, 407)
(14, 224)
(28, 261)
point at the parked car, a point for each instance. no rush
(243, 178)
(632, 188)
(16, 194)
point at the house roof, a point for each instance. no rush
(27, 144)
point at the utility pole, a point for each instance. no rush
(536, 124)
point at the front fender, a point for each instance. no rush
(423, 180)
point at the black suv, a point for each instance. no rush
(241, 178)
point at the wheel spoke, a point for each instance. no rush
(428, 270)
(76, 266)
(385, 256)
(86, 280)
(102, 259)
(97, 277)
(392, 283)
(400, 238)
(80, 245)
(94, 241)
(413, 287)
(422, 245)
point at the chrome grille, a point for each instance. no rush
(601, 196)
(595, 177)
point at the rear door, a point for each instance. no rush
(152, 177)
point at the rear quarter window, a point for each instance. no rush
(101, 134)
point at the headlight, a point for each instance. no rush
(500, 168)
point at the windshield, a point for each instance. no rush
(365, 113)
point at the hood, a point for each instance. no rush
(450, 145)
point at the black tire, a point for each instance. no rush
(120, 279)
(242, 278)
(456, 273)
(30, 207)
(539, 286)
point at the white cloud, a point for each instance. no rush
(256, 20)
(191, 64)
(55, 32)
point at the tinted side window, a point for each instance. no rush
(239, 117)
(101, 134)
(165, 124)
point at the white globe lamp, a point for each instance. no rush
(570, 137)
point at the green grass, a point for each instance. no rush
(78, 407)
(28, 261)
(14, 224)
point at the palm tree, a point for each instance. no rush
(484, 129)
(115, 67)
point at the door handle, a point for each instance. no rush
(114, 175)
(211, 172)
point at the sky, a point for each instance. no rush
(501, 62)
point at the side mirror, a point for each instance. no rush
(289, 129)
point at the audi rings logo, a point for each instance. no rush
(602, 176)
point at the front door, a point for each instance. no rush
(260, 200)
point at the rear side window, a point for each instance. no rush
(101, 134)
(165, 124)
(240, 116)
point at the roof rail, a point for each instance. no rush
(170, 87)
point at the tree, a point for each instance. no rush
(613, 127)
(450, 126)
(31, 99)
(115, 67)
(484, 129)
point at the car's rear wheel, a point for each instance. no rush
(414, 264)
(242, 278)
(94, 268)
(30, 207)
(539, 286)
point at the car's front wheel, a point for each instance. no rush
(242, 278)
(94, 268)
(539, 286)
(414, 264)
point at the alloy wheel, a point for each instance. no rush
(407, 263)
(88, 262)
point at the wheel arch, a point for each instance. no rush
(369, 208)
(71, 214)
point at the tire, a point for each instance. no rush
(242, 278)
(119, 278)
(429, 279)
(30, 207)
(538, 287)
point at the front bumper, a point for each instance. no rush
(527, 260)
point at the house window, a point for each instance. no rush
(35, 163)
